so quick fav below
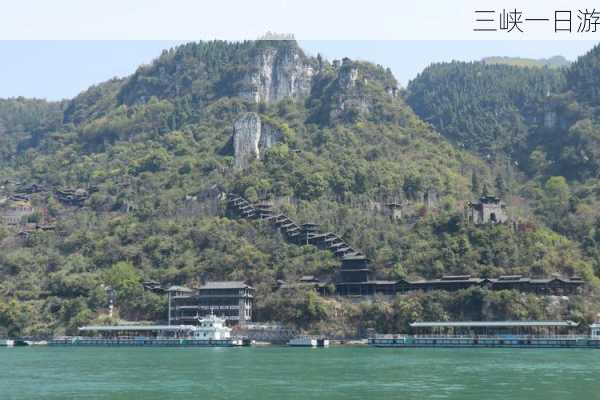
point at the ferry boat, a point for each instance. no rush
(211, 332)
(308, 341)
(478, 334)
(15, 342)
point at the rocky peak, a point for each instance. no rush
(349, 90)
(348, 75)
(278, 73)
(360, 86)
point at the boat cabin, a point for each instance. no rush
(134, 331)
(212, 328)
(595, 331)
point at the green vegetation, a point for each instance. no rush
(554, 139)
(154, 146)
(552, 62)
(488, 108)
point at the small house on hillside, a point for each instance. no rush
(13, 212)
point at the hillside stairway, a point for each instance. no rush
(293, 232)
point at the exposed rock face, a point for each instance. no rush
(350, 96)
(269, 136)
(348, 76)
(246, 136)
(279, 74)
(250, 137)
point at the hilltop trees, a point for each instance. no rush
(488, 108)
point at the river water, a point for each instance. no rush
(298, 373)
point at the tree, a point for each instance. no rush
(14, 317)
(475, 183)
(500, 186)
(122, 276)
(485, 191)
(125, 280)
(556, 195)
(538, 162)
(311, 186)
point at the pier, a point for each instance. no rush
(211, 332)
(477, 334)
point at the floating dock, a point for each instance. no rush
(211, 332)
(308, 341)
(143, 341)
(502, 334)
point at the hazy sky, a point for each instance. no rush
(61, 69)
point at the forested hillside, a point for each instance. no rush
(552, 62)
(151, 150)
(488, 108)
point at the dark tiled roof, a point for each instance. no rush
(456, 277)
(225, 285)
(446, 281)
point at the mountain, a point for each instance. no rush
(543, 121)
(489, 108)
(542, 118)
(552, 62)
(126, 179)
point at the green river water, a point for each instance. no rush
(298, 373)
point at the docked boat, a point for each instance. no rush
(479, 334)
(308, 341)
(210, 332)
(14, 343)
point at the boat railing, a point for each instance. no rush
(389, 336)
(500, 336)
(311, 337)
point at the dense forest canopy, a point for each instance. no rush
(489, 108)
(150, 149)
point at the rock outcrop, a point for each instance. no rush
(251, 137)
(356, 90)
(269, 135)
(246, 136)
(278, 73)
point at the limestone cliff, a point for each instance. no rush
(356, 82)
(269, 135)
(251, 137)
(246, 137)
(277, 73)
(351, 90)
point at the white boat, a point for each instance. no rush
(308, 341)
(211, 328)
(7, 343)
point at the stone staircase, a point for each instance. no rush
(293, 232)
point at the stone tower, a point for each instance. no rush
(488, 210)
